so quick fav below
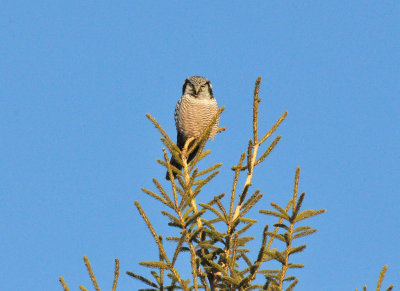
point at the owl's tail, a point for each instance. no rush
(177, 165)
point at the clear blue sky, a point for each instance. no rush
(76, 80)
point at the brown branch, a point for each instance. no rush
(116, 275)
(91, 274)
(64, 285)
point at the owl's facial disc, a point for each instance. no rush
(198, 87)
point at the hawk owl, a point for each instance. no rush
(193, 113)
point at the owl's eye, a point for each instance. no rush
(203, 86)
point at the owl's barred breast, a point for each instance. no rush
(193, 115)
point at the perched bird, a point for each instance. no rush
(193, 113)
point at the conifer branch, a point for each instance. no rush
(160, 279)
(256, 101)
(292, 285)
(295, 188)
(246, 227)
(380, 280)
(142, 279)
(235, 181)
(178, 249)
(163, 192)
(167, 141)
(268, 151)
(187, 179)
(381, 276)
(254, 145)
(255, 267)
(277, 227)
(206, 131)
(215, 211)
(92, 277)
(173, 186)
(116, 275)
(202, 139)
(64, 285)
(173, 168)
(206, 171)
(290, 233)
(274, 127)
(187, 183)
(158, 197)
(250, 163)
(285, 263)
(221, 207)
(160, 247)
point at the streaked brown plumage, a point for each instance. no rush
(194, 112)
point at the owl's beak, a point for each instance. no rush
(197, 91)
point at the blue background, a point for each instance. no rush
(76, 80)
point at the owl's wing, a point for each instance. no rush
(176, 113)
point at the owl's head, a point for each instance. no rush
(198, 87)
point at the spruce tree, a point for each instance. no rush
(214, 232)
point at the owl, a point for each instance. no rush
(193, 112)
